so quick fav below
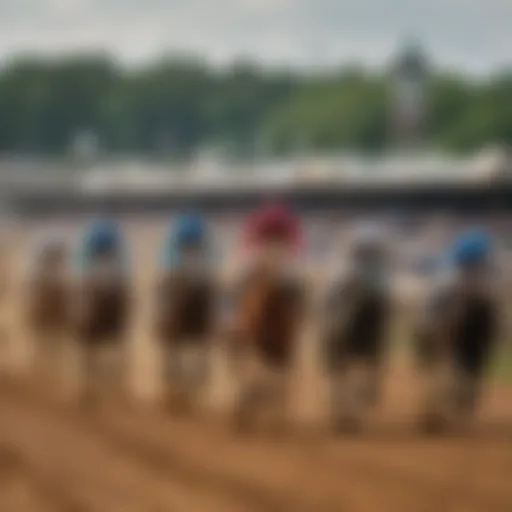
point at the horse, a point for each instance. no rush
(268, 310)
(184, 324)
(47, 293)
(454, 342)
(458, 331)
(355, 335)
(101, 311)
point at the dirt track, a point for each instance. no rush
(54, 457)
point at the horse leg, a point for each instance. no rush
(177, 375)
(45, 356)
(168, 370)
(122, 366)
(373, 377)
(60, 355)
(438, 396)
(280, 394)
(251, 394)
(187, 374)
(91, 375)
(347, 398)
(466, 393)
(199, 368)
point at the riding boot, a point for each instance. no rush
(199, 373)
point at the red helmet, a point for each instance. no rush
(273, 222)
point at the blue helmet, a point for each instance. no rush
(102, 235)
(189, 228)
(472, 247)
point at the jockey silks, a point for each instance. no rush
(88, 258)
(196, 257)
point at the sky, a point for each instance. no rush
(471, 35)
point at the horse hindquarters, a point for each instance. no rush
(268, 359)
(457, 369)
(474, 340)
(185, 327)
(103, 325)
(361, 341)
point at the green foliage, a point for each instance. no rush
(178, 104)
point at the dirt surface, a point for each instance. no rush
(55, 457)
(139, 458)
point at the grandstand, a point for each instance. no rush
(319, 182)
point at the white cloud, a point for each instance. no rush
(473, 34)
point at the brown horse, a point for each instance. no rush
(268, 307)
(100, 321)
(47, 313)
(184, 324)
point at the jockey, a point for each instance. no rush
(471, 252)
(355, 329)
(460, 320)
(101, 311)
(184, 308)
(269, 302)
(467, 267)
(275, 233)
